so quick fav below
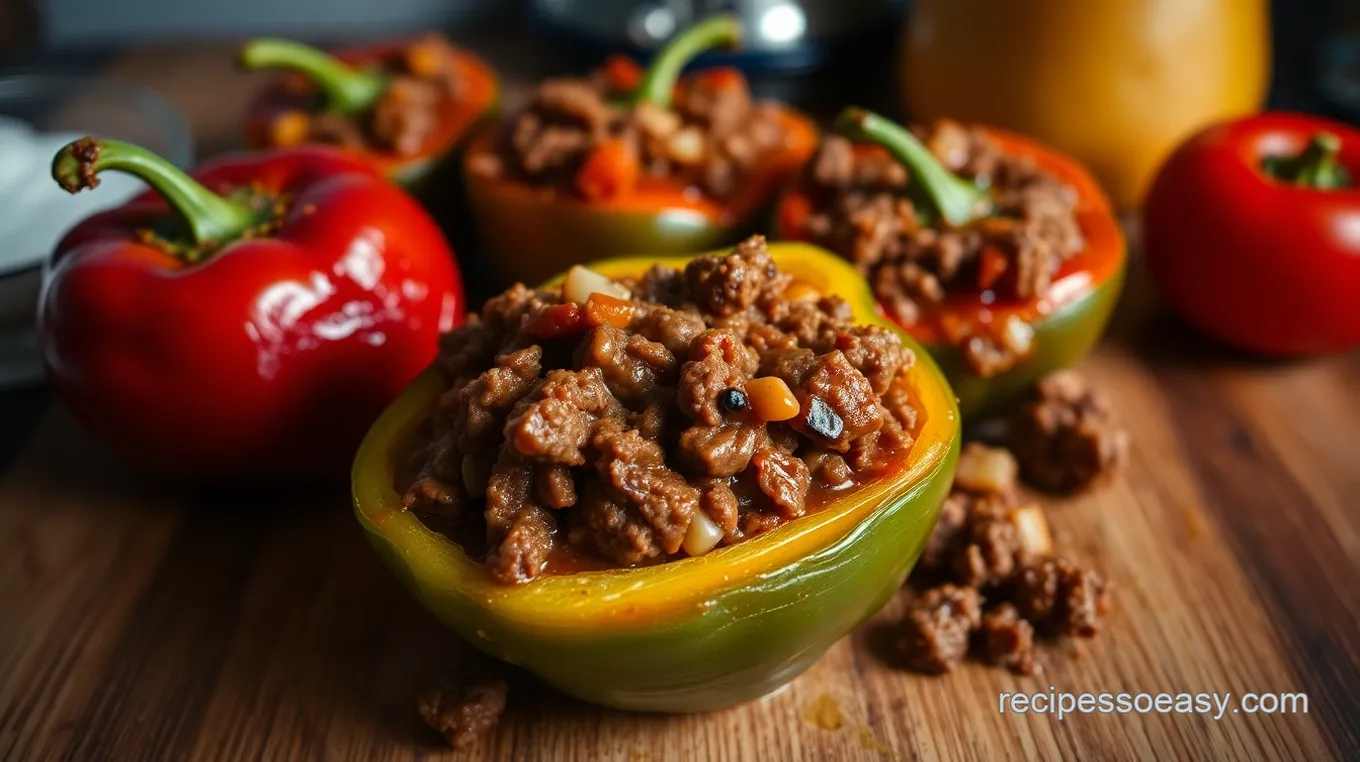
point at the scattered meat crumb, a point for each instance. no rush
(1062, 596)
(466, 703)
(1067, 437)
(938, 626)
(988, 582)
(1008, 640)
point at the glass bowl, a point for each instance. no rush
(55, 102)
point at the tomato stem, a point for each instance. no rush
(957, 201)
(210, 218)
(722, 30)
(347, 90)
(1316, 166)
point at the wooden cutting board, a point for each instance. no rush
(143, 622)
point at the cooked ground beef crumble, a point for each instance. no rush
(863, 210)
(713, 133)
(465, 702)
(987, 580)
(707, 407)
(1066, 437)
(938, 627)
(423, 76)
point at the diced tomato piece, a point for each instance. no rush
(622, 73)
(610, 171)
(603, 309)
(557, 321)
(991, 266)
(721, 78)
(793, 214)
(953, 328)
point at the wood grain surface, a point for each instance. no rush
(142, 622)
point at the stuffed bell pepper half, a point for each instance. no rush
(405, 106)
(665, 483)
(633, 160)
(1003, 258)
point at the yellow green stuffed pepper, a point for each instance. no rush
(697, 633)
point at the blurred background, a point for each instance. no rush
(1316, 42)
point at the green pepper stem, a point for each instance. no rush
(954, 199)
(209, 217)
(658, 82)
(347, 90)
(1316, 166)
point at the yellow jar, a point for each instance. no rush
(1115, 83)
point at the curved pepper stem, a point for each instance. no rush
(347, 90)
(954, 199)
(722, 30)
(209, 217)
(1315, 166)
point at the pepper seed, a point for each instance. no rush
(732, 400)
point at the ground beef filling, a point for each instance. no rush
(422, 78)
(863, 211)
(988, 583)
(579, 137)
(694, 409)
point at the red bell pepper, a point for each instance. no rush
(250, 321)
(1252, 232)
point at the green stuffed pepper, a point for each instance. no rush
(633, 160)
(686, 628)
(1002, 257)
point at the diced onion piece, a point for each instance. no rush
(702, 536)
(484, 164)
(581, 283)
(986, 469)
(1017, 335)
(475, 475)
(771, 399)
(950, 144)
(290, 128)
(657, 122)
(686, 146)
(1031, 527)
(739, 148)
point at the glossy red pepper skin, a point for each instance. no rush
(273, 354)
(1260, 264)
